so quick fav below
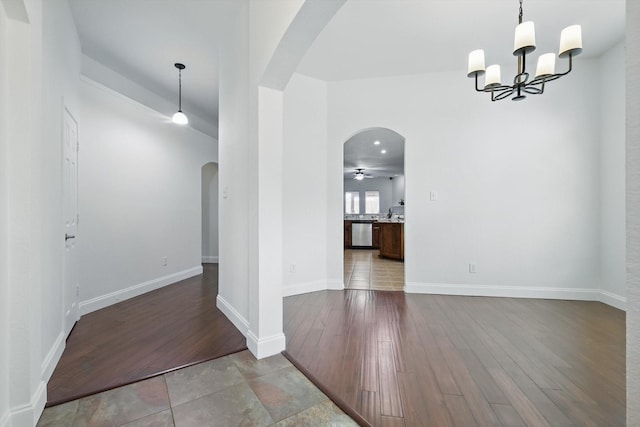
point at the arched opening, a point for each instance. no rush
(210, 213)
(374, 210)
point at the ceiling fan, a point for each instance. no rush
(359, 175)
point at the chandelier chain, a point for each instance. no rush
(520, 14)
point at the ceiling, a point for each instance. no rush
(142, 39)
(360, 151)
(375, 38)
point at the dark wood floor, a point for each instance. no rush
(429, 360)
(176, 326)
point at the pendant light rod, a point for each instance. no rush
(180, 67)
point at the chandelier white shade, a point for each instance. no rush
(179, 117)
(524, 43)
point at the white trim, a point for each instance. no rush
(613, 300)
(133, 291)
(53, 357)
(210, 259)
(265, 347)
(576, 294)
(4, 421)
(304, 288)
(29, 413)
(233, 315)
(156, 109)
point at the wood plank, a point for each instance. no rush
(553, 358)
(163, 330)
(521, 403)
(390, 402)
(459, 410)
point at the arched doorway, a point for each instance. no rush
(373, 201)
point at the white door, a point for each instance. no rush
(70, 207)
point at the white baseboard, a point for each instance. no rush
(28, 414)
(613, 300)
(265, 347)
(210, 259)
(53, 357)
(133, 291)
(233, 315)
(517, 292)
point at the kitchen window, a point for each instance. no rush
(352, 202)
(371, 202)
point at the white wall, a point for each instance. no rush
(210, 212)
(4, 227)
(383, 185)
(633, 212)
(61, 55)
(139, 198)
(397, 190)
(233, 279)
(39, 70)
(612, 171)
(517, 182)
(305, 193)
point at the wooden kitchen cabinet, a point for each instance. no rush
(375, 235)
(392, 240)
(347, 234)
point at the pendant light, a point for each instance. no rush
(179, 117)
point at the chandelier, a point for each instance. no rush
(525, 43)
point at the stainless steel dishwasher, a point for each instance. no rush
(361, 234)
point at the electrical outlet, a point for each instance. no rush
(292, 268)
(164, 261)
(472, 268)
(433, 196)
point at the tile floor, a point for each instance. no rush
(364, 269)
(235, 390)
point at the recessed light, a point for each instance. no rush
(376, 143)
(383, 151)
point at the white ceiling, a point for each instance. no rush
(374, 38)
(142, 39)
(360, 152)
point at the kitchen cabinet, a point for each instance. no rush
(375, 236)
(392, 240)
(347, 234)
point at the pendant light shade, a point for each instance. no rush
(179, 117)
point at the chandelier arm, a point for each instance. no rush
(502, 94)
(570, 67)
(533, 89)
(478, 89)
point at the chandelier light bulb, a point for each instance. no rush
(492, 78)
(570, 41)
(525, 38)
(546, 65)
(476, 62)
